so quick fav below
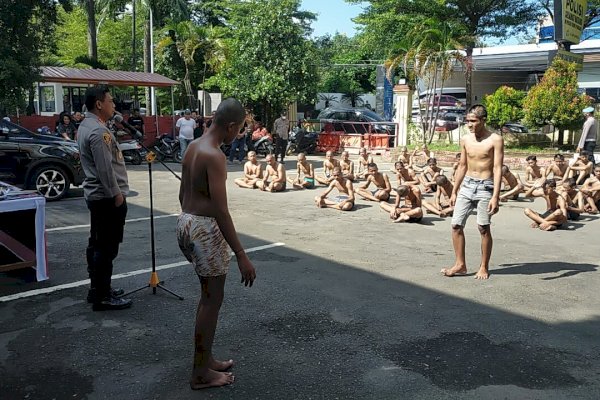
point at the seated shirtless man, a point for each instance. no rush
(274, 176)
(328, 165)
(381, 182)
(303, 168)
(455, 166)
(419, 157)
(364, 159)
(427, 177)
(411, 210)
(581, 169)
(252, 172)
(404, 155)
(534, 178)
(344, 201)
(406, 176)
(573, 198)
(513, 183)
(441, 200)
(557, 168)
(591, 192)
(556, 209)
(347, 166)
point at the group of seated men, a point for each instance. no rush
(557, 184)
(569, 190)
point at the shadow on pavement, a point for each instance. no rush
(570, 269)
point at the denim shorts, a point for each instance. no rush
(473, 193)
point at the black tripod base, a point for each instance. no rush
(154, 283)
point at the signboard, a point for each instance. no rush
(569, 16)
(567, 56)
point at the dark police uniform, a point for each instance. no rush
(105, 178)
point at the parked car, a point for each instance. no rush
(342, 119)
(514, 127)
(48, 164)
(444, 100)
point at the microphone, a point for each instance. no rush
(135, 133)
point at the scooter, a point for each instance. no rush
(166, 147)
(301, 141)
(132, 151)
(263, 146)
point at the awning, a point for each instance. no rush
(104, 77)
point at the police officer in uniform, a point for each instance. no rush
(105, 187)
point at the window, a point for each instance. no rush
(47, 99)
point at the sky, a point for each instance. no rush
(333, 15)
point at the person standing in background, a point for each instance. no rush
(589, 135)
(185, 130)
(281, 130)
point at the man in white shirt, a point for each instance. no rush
(588, 136)
(185, 129)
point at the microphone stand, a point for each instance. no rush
(154, 282)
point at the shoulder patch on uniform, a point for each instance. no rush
(106, 137)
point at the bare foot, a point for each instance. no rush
(547, 227)
(534, 225)
(504, 200)
(319, 201)
(402, 218)
(454, 271)
(220, 365)
(482, 274)
(211, 379)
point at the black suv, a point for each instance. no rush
(46, 163)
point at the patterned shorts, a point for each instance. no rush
(203, 244)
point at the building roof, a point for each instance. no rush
(106, 77)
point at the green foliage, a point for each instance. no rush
(114, 41)
(555, 99)
(24, 28)
(505, 105)
(350, 80)
(271, 60)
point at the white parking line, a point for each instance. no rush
(68, 228)
(56, 288)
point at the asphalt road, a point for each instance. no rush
(351, 307)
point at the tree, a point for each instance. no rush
(25, 26)
(505, 105)
(271, 62)
(555, 100)
(480, 19)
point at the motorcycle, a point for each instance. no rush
(132, 151)
(166, 147)
(301, 141)
(263, 146)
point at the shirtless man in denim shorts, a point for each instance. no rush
(478, 180)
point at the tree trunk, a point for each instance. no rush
(91, 29)
(469, 76)
(561, 137)
(147, 52)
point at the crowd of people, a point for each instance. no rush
(569, 189)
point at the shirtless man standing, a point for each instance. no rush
(347, 166)
(364, 159)
(328, 165)
(441, 200)
(406, 176)
(344, 201)
(513, 183)
(304, 168)
(411, 211)
(274, 176)
(556, 209)
(429, 174)
(381, 182)
(252, 172)
(205, 232)
(478, 180)
(558, 168)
